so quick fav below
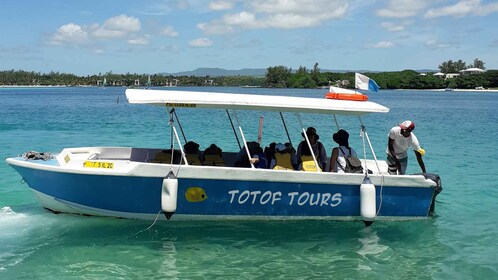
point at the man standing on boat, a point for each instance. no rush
(401, 138)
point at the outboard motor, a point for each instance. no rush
(437, 189)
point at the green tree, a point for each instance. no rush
(452, 67)
(478, 64)
(277, 76)
(315, 73)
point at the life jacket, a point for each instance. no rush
(212, 156)
(215, 160)
(308, 164)
(162, 157)
(283, 161)
(193, 159)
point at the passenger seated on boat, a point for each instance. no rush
(213, 156)
(192, 153)
(262, 161)
(293, 154)
(283, 158)
(258, 157)
(340, 154)
(270, 152)
(306, 160)
(304, 154)
(164, 156)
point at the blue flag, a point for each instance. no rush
(365, 83)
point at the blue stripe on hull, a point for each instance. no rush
(255, 198)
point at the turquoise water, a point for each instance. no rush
(457, 129)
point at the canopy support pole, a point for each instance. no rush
(364, 133)
(174, 134)
(180, 125)
(233, 128)
(285, 126)
(243, 139)
(336, 123)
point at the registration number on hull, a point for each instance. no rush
(98, 164)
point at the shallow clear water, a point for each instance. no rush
(457, 129)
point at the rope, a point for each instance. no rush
(153, 223)
(364, 135)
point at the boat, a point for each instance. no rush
(149, 83)
(143, 183)
(104, 83)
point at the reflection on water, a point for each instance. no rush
(168, 268)
(458, 243)
(370, 243)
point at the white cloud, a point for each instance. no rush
(402, 8)
(99, 51)
(117, 27)
(169, 31)
(220, 5)
(383, 45)
(139, 40)
(123, 23)
(216, 27)
(393, 27)
(243, 19)
(303, 7)
(69, 33)
(435, 44)
(201, 42)
(278, 14)
(463, 8)
(103, 33)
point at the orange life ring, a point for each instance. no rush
(347, 96)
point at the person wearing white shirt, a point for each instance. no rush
(401, 138)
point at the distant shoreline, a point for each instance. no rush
(64, 86)
(456, 89)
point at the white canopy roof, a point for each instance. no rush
(193, 99)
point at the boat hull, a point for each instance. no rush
(228, 193)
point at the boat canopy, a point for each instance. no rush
(235, 101)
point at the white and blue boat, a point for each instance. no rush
(142, 183)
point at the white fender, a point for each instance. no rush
(367, 201)
(169, 195)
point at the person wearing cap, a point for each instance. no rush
(339, 154)
(303, 149)
(401, 138)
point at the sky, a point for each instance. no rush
(86, 37)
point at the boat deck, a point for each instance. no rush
(122, 155)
